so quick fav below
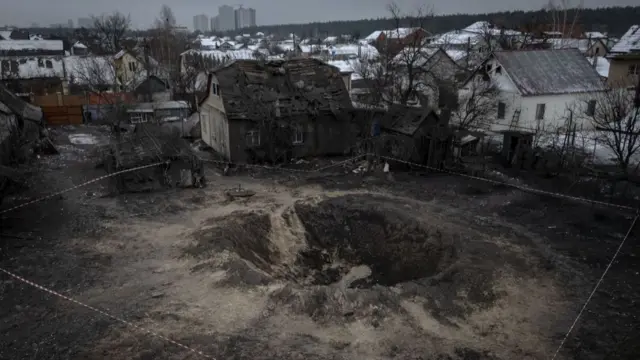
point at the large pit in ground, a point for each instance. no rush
(345, 232)
(391, 241)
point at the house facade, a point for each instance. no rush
(538, 89)
(624, 59)
(33, 67)
(130, 69)
(276, 110)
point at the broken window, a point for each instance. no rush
(298, 134)
(591, 108)
(40, 63)
(6, 66)
(133, 66)
(498, 69)
(215, 89)
(49, 64)
(252, 138)
(14, 66)
(634, 69)
(540, 108)
(502, 109)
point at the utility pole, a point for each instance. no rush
(148, 69)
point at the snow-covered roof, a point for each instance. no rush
(119, 54)
(594, 35)
(374, 35)
(210, 43)
(400, 33)
(347, 66)
(6, 34)
(629, 42)
(457, 55)
(580, 44)
(417, 56)
(90, 70)
(485, 27)
(222, 55)
(312, 48)
(547, 72)
(366, 51)
(79, 45)
(50, 45)
(457, 37)
(36, 68)
(602, 65)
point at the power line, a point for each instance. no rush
(104, 313)
(519, 187)
(595, 288)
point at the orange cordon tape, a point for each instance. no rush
(79, 186)
(103, 313)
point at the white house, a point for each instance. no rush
(538, 87)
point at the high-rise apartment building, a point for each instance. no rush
(215, 23)
(201, 23)
(85, 22)
(226, 18)
(245, 17)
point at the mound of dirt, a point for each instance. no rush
(351, 231)
(243, 233)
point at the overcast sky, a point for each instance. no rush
(45, 12)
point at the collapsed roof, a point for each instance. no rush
(254, 90)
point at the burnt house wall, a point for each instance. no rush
(322, 136)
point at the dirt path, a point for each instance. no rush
(337, 267)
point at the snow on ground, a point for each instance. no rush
(602, 65)
(83, 139)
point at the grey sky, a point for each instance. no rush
(45, 12)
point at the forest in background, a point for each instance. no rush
(614, 20)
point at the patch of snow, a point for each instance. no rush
(82, 139)
(602, 65)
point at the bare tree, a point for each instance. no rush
(616, 117)
(110, 30)
(477, 104)
(166, 19)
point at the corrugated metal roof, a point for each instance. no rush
(546, 72)
(629, 42)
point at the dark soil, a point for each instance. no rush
(358, 230)
(245, 233)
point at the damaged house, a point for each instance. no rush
(20, 124)
(33, 67)
(415, 134)
(277, 110)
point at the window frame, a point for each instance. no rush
(502, 116)
(252, 134)
(297, 136)
(591, 108)
(540, 111)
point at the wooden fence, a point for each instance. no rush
(62, 115)
(61, 109)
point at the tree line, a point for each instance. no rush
(614, 20)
